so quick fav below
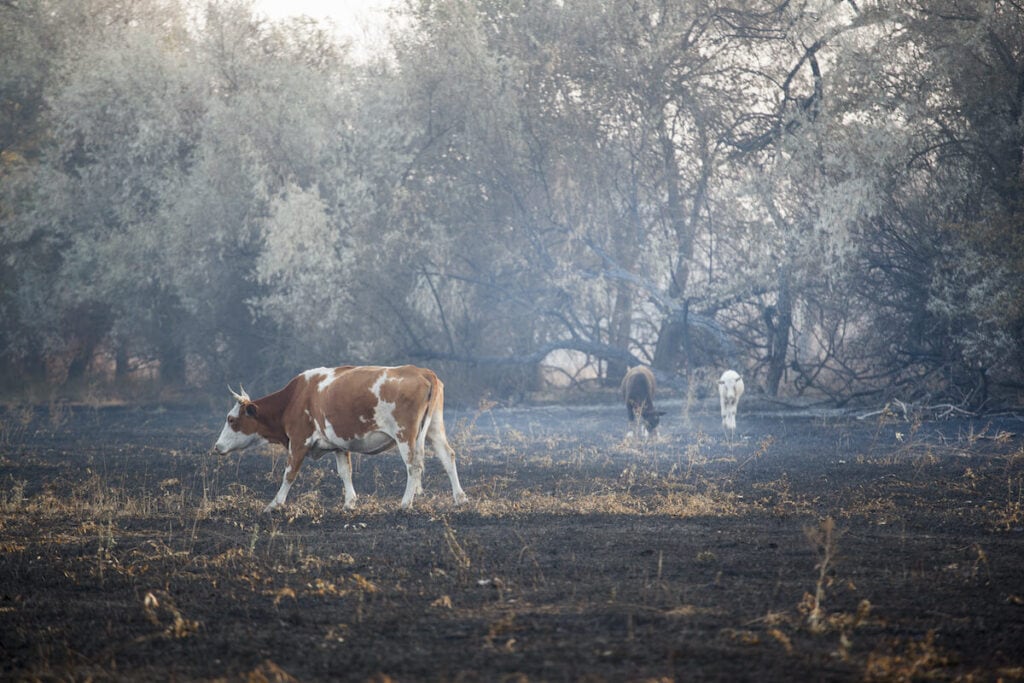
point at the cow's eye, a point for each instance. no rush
(232, 421)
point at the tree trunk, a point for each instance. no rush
(172, 366)
(621, 327)
(779, 321)
(120, 361)
(671, 350)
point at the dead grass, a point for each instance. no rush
(907, 660)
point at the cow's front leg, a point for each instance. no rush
(729, 421)
(344, 459)
(291, 471)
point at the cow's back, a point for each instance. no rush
(638, 386)
(358, 400)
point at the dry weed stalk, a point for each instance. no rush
(689, 401)
(105, 549)
(11, 500)
(823, 539)
(253, 539)
(59, 413)
(13, 430)
(693, 456)
(466, 428)
(527, 551)
(461, 558)
(782, 639)
(1010, 515)
(499, 634)
(762, 450)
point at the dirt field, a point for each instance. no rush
(824, 548)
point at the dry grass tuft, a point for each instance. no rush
(162, 612)
(267, 672)
(907, 661)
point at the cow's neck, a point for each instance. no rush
(271, 410)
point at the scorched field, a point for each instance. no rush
(814, 548)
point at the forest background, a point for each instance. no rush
(826, 195)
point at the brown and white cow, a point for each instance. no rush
(638, 392)
(348, 410)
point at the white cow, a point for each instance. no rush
(730, 388)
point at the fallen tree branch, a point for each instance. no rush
(939, 411)
(602, 351)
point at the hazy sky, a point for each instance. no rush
(361, 20)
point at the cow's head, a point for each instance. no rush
(651, 419)
(241, 428)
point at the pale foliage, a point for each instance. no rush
(511, 179)
(304, 266)
(976, 298)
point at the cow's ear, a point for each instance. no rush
(250, 409)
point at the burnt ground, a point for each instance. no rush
(815, 548)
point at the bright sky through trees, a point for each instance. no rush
(364, 22)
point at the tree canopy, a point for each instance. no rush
(827, 196)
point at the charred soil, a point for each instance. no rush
(824, 548)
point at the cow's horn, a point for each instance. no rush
(242, 397)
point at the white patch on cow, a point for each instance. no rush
(318, 440)
(384, 412)
(327, 381)
(331, 436)
(324, 377)
(232, 440)
(326, 438)
(313, 372)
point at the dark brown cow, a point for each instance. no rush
(344, 410)
(638, 391)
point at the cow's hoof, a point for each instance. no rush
(461, 498)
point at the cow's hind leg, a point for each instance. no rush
(414, 472)
(291, 471)
(446, 454)
(344, 459)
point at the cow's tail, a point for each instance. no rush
(432, 426)
(428, 407)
